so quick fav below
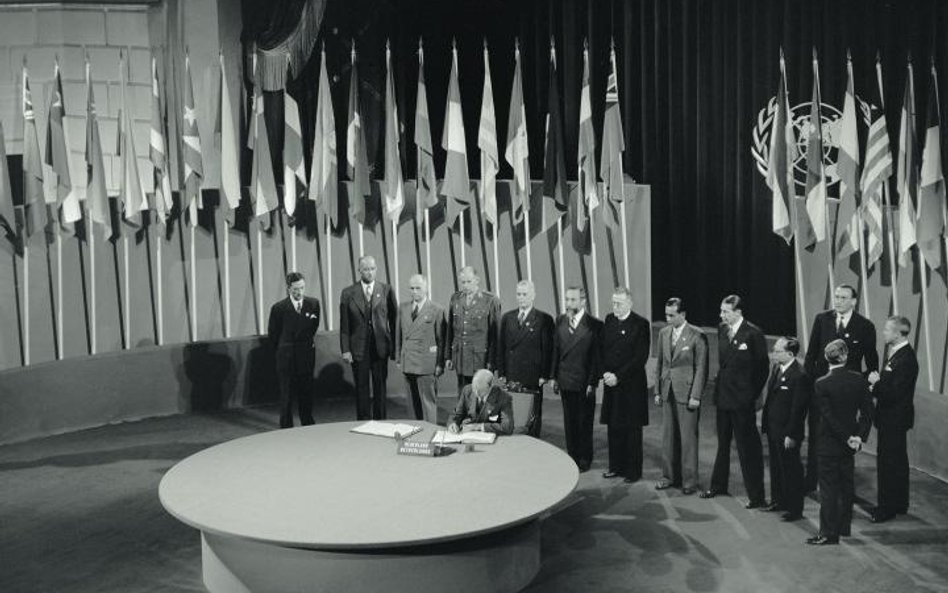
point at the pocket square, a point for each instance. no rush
(686, 348)
(888, 368)
(784, 387)
(743, 346)
(433, 349)
(493, 418)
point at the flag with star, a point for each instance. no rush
(191, 141)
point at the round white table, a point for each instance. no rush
(320, 508)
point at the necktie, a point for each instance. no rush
(414, 312)
(730, 332)
(368, 293)
(298, 305)
(840, 328)
(572, 323)
(521, 317)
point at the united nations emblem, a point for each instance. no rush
(831, 122)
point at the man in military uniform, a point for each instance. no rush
(473, 318)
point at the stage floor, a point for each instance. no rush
(80, 513)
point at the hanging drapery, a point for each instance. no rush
(279, 29)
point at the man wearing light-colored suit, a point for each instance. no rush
(419, 348)
(681, 376)
(367, 311)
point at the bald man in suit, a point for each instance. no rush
(419, 348)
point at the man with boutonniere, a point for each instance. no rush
(291, 331)
(743, 365)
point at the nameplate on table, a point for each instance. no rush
(421, 449)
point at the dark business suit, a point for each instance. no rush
(292, 337)
(895, 415)
(495, 412)
(742, 374)
(842, 396)
(788, 399)
(575, 368)
(525, 352)
(367, 331)
(860, 337)
(624, 351)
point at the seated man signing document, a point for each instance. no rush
(482, 407)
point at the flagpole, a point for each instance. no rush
(559, 249)
(798, 266)
(592, 242)
(158, 284)
(463, 240)
(292, 243)
(90, 232)
(497, 259)
(395, 253)
(863, 270)
(427, 248)
(26, 297)
(526, 238)
(260, 328)
(361, 239)
(625, 245)
(59, 291)
(226, 279)
(925, 320)
(128, 316)
(328, 274)
(193, 284)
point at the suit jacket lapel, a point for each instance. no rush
(572, 337)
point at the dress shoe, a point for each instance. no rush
(688, 490)
(791, 517)
(819, 540)
(756, 504)
(711, 493)
(583, 465)
(879, 516)
(611, 474)
(665, 485)
(772, 508)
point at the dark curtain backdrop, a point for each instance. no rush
(692, 74)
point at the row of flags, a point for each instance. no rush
(321, 184)
(920, 182)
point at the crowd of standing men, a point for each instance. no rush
(827, 400)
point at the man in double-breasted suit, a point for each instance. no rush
(842, 322)
(473, 321)
(842, 396)
(419, 348)
(681, 375)
(291, 330)
(575, 374)
(367, 314)
(787, 400)
(525, 351)
(893, 388)
(624, 346)
(483, 406)
(743, 366)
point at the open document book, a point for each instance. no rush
(386, 429)
(443, 437)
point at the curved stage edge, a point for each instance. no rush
(504, 561)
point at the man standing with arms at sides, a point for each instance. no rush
(419, 348)
(291, 330)
(367, 312)
(788, 398)
(526, 348)
(842, 322)
(575, 374)
(842, 396)
(626, 339)
(742, 373)
(893, 387)
(682, 373)
(473, 321)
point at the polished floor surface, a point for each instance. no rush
(80, 513)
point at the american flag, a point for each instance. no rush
(876, 171)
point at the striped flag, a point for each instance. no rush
(876, 171)
(555, 192)
(848, 223)
(517, 152)
(931, 194)
(813, 225)
(426, 194)
(780, 160)
(131, 192)
(324, 176)
(487, 146)
(226, 133)
(613, 145)
(393, 186)
(7, 211)
(263, 190)
(34, 201)
(587, 198)
(907, 174)
(158, 152)
(357, 160)
(57, 157)
(294, 167)
(457, 180)
(97, 197)
(192, 157)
